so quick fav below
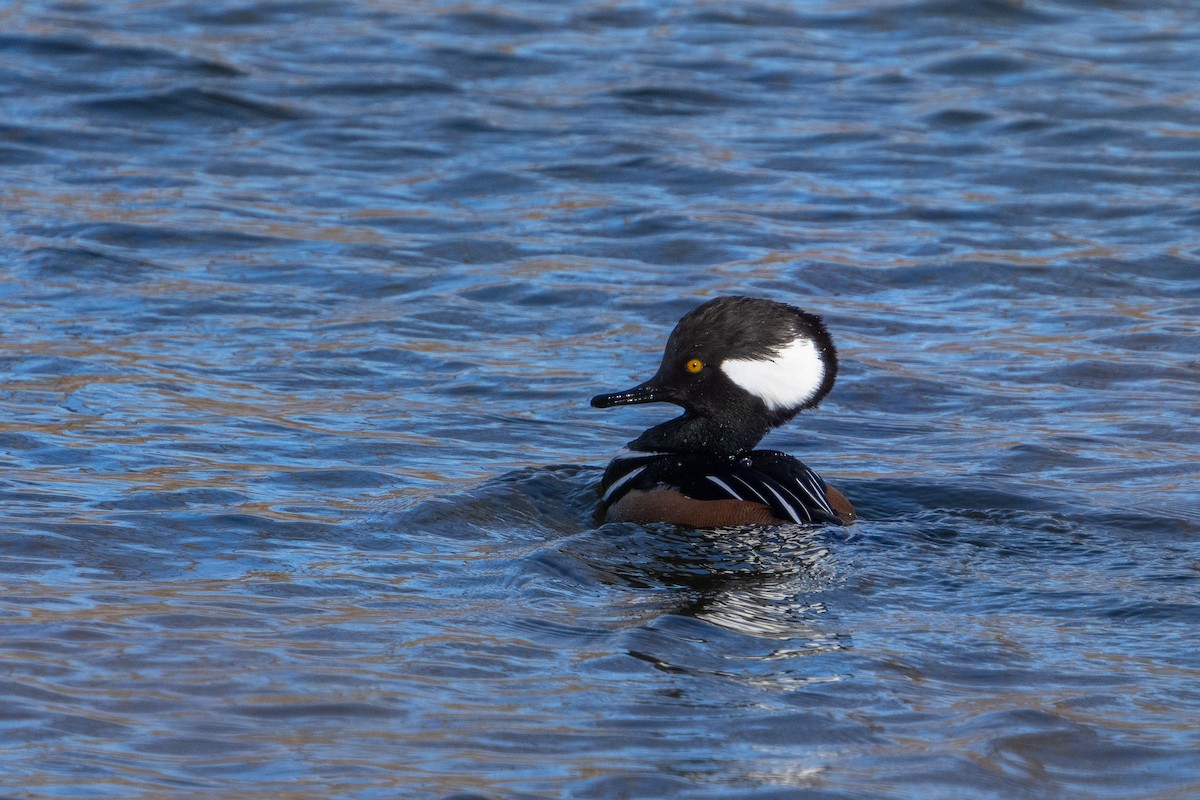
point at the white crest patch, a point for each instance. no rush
(788, 379)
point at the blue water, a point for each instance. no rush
(302, 305)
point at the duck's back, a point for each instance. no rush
(701, 490)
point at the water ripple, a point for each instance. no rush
(303, 303)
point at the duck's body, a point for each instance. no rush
(738, 366)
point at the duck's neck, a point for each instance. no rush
(727, 436)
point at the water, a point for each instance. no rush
(303, 303)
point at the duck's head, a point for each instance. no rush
(738, 366)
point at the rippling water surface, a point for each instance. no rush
(303, 303)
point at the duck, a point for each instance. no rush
(738, 367)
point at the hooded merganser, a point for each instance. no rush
(738, 366)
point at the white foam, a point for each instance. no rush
(789, 379)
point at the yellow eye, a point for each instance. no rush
(695, 365)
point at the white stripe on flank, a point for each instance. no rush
(633, 473)
(748, 485)
(724, 486)
(816, 497)
(784, 503)
(790, 378)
